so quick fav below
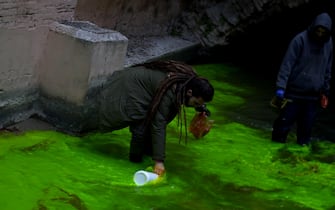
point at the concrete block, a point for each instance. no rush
(78, 55)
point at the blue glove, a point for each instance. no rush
(280, 93)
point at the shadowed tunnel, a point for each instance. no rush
(260, 49)
(261, 46)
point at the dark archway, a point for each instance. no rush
(261, 47)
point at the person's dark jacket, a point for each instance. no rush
(127, 99)
(306, 68)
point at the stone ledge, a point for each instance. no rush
(142, 49)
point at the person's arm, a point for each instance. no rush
(158, 131)
(290, 59)
(326, 86)
(327, 75)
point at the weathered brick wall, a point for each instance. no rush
(32, 13)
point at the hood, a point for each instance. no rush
(323, 20)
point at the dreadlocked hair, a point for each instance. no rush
(180, 73)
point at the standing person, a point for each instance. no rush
(146, 98)
(303, 79)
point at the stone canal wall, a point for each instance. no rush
(54, 54)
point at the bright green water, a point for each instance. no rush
(235, 166)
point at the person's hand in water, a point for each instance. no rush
(159, 168)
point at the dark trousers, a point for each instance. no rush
(140, 143)
(301, 112)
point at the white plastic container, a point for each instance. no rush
(142, 177)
